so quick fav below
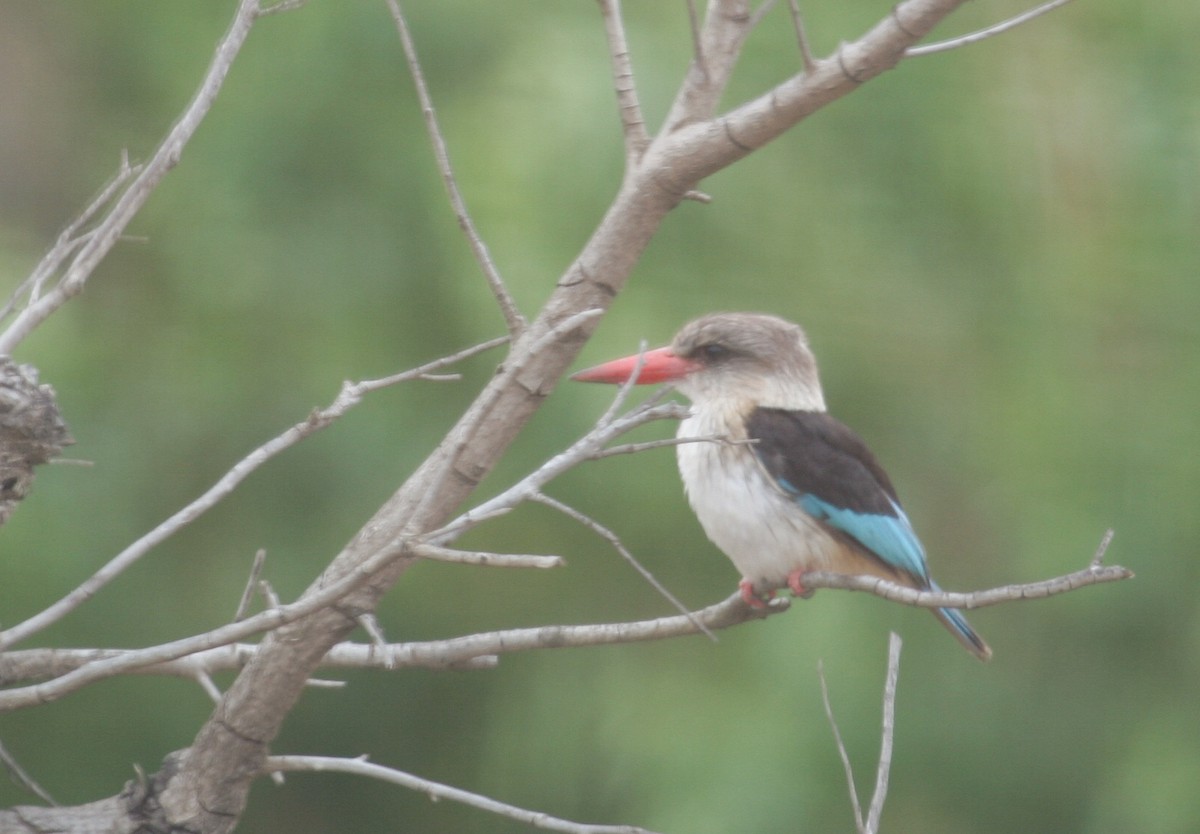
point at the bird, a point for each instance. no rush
(791, 489)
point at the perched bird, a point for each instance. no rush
(800, 492)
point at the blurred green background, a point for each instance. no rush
(995, 252)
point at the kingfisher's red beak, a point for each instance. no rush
(653, 366)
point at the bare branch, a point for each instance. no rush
(870, 825)
(437, 791)
(260, 559)
(479, 557)
(128, 661)
(69, 240)
(978, 599)
(22, 778)
(1105, 541)
(806, 55)
(633, 124)
(841, 747)
(508, 307)
(281, 6)
(26, 666)
(761, 12)
(634, 448)
(349, 396)
(889, 732)
(984, 34)
(694, 25)
(101, 240)
(615, 540)
(583, 449)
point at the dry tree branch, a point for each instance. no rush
(213, 651)
(624, 552)
(22, 778)
(100, 240)
(437, 791)
(70, 239)
(978, 599)
(879, 796)
(508, 307)
(481, 557)
(806, 56)
(273, 618)
(984, 34)
(589, 446)
(633, 124)
(350, 395)
(847, 767)
(256, 567)
(869, 825)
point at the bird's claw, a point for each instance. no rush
(752, 597)
(795, 581)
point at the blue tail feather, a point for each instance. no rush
(957, 625)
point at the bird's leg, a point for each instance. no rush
(795, 581)
(752, 597)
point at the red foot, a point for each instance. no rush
(795, 582)
(752, 597)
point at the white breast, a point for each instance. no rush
(762, 531)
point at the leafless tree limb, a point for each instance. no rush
(436, 791)
(843, 754)
(633, 124)
(70, 239)
(479, 557)
(20, 776)
(260, 559)
(869, 824)
(978, 599)
(615, 540)
(101, 239)
(879, 796)
(350, 395)
(806, 56)
(984, 34)
(508, 306)
(588, 446)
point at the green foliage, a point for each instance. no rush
(994, 251)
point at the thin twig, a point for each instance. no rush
(762, 11)
(480, 557)
(633, 124)
(256, 567)
(209, 686)
(350, 395)
(697, 42)
(588, 445)
(978, 599)
(438, 791)
(645, 446)
(888, 735)
(806, 55)
(215, 650)
(508, 307)
(841, 748)
(69, 240)
(281, 6)
(101, 240)
(984, 34)
(1105, 541)
(22, 778)
(615, 540)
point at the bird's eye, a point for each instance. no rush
(714, 352)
